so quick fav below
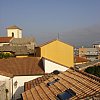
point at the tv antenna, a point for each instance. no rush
(58, 36)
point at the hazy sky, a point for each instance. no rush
(77, 21)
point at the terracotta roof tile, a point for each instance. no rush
(3, 73)
(22, 66)
(37, 81)
(83, 85)
(80, 59)
(5, 39)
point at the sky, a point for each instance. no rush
(76, 21)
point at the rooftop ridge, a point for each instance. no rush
(91, 76)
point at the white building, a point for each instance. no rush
(5, 40)
(3, 93)
(50, 66)
(14, 31)
(16, 71)
(96, 44)
(14, 38)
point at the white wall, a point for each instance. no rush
(1, 44)
(51, 66)
(96, 45)
(17, 33)
(20, 33)
(2, 90)
(4, 78)
(8, 83)
(20, 84)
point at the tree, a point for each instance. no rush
(95, 70)
(5, 55)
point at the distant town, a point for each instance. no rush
(53, 70)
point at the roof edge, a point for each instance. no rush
(88, 75)
(45, 43)
(13, 27)
(54, 62)
(3, 73)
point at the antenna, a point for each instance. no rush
(58, 36)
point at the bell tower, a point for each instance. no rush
(14, 31)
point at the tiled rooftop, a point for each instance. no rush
(17, 50)
(80, 59)
(21, 66)
(81, 83)
(37, 81)
(5, 39)
(89, 64)
(22, 41)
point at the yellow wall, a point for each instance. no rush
(58, 52)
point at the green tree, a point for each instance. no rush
(5, 55)
(95, 70)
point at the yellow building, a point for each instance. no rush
(57, 51)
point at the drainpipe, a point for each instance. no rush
(12, 88)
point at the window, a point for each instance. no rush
(66, 94)
(51, 83)
(12, 34)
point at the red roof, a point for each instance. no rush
(5, 39)
(21, 66)
(80, 59)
